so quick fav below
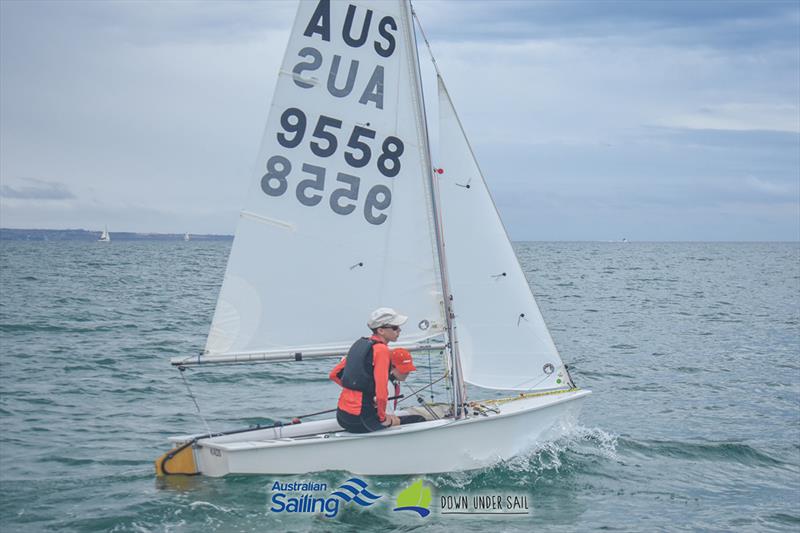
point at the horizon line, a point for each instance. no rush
(621, 241)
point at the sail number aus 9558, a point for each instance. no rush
(324, 143)
(294, 123)
(342, 200)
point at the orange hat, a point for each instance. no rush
(401, 360)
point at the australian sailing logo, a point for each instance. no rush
(304, 497)
(355, 490)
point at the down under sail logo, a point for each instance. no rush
(416, 497)
(304, 497)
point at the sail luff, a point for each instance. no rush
(457, 367)
(459, 390)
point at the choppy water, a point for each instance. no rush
(692, 351)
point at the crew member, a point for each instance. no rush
(364, 373)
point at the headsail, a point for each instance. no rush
(337, 221)
(503, 340)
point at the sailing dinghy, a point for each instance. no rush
(347, 213)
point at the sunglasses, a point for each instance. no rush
(395, 328)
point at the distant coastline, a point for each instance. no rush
(13, 234)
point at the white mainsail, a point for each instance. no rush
(338, 218)
(503, 340)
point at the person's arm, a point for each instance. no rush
(380, 362)
(336, 372)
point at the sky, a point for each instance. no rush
(643, 120)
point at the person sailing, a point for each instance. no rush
(363, 375)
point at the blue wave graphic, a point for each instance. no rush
(423, 512)
(358, 493)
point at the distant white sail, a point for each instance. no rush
(338, 218)
(105, 237)
(503, 340)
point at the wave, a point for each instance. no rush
(718, 451)
(594, 451)
(574, 451)
(210, 505)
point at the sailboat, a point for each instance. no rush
(347, 213)
(104, 237)
(186, 237)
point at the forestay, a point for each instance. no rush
(503, 340)
(337, 220)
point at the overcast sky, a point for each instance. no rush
(594, 120)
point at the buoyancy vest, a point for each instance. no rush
(358, 369)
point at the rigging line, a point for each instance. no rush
(182, 369)
(425, 38)
(532, 387)
(414, 393)
(530, 395)
(430, 376)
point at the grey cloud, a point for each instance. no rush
(150, 23)
(780, 141)
(676, 168)
(732, 24)
(37, 190)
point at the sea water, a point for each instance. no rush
(692, 351)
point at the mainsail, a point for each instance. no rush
(338, 218)
(503, 340)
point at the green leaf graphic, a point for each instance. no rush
(415, 496)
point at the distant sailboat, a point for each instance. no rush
(186, 237)
(104, 237)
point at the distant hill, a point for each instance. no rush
(11, 234)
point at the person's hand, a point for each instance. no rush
(391, 420)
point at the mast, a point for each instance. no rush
(459, 392)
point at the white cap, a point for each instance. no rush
(385, 316)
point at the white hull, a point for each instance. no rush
(427, 447)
